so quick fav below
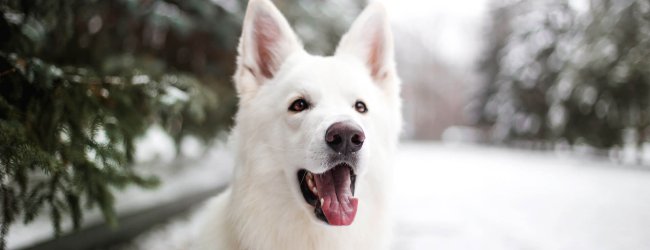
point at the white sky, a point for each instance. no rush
(452, 28)
(401, 9)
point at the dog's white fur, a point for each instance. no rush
(263, 208)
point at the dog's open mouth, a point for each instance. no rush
(331, 194)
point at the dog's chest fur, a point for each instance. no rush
(262, 215)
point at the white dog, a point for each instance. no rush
(314, 140)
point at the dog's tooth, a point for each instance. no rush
(322, 201)
(310, 183)
(314, 190)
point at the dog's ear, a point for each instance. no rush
(266, 42)
(370, 40)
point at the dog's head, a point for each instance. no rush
(319, 120)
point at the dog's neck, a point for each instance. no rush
(267, 200)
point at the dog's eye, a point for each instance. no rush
(360, 107)
(299, 105)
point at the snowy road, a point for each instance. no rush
(470, 197)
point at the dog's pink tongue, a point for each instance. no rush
(338, 205)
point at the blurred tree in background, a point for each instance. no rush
(81, 79)
(560, 72)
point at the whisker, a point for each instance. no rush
(303, 177)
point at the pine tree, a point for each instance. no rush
(610, 76)
(563, 74)
(80, 80)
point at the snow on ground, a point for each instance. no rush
(472, 197)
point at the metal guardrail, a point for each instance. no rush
(102, 236)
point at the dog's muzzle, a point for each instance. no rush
(331, 193)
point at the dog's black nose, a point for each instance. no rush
(345, 137)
